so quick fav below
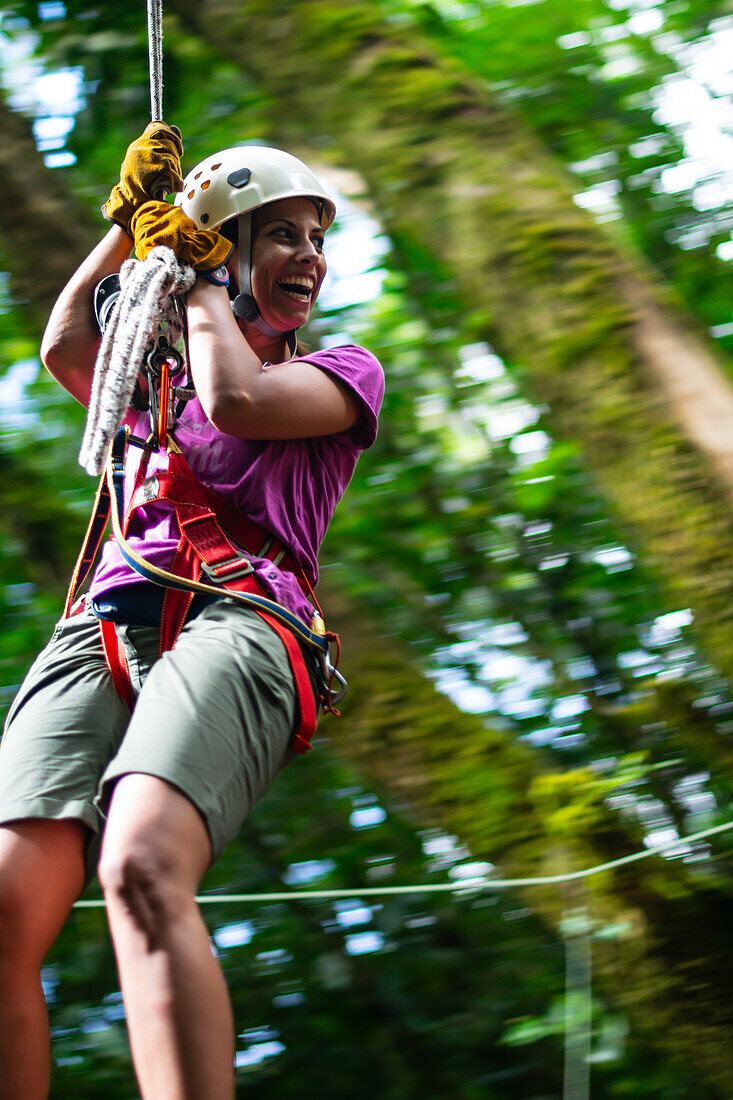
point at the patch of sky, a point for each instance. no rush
(501, 680)
(666, 629)
(613, 558)
(50, 10)
(530, 447)
(553, 561)
(367, 817)
(273, 960)
(570, 706)
(478, 363)
(477, 869)
(18, 410)
(696, 103)
(234, 935)
(456, 684)
(52, 99)
(364, 943)
(310, 870)
(454, 11)
(650, 146)
(574, 41)
(505, 420)
(91, 1023)
(289, 1000)
(352, 912)
(258, 1053)
(600, 200)
(51, 133)
(690, 793)
(113, 1007)
(355, 248)
(638, 661)
(581, 668)
(541, 738)
(442, 849)
(20, 595)
(49, 983)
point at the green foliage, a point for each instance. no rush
(496, 559)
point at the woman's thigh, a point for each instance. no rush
(214, 718)
(42, 873)
(64, 726)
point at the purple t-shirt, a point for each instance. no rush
(289, 486)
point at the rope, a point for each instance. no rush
(145, 303)
(478, 882)
(155, 58)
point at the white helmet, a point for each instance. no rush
(237, 181)
(233, 183)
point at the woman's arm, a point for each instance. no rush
(287, 401)
(71, 340)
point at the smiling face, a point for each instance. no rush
(288, 265)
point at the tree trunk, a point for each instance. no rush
(38, 218)
(456, 177)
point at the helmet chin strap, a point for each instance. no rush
(244, 306)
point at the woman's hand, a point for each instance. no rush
(151, 169)
(159, 224)
(293, 400)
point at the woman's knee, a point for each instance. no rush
(140, 879)
(155, 850)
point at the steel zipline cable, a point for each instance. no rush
(461, 886)
(155, 58)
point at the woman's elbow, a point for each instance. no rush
(72, 367)
(227, 413)
(55, 357)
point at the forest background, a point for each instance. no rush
(531, 571)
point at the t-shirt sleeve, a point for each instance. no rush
(358, 369)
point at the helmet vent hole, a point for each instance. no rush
(239, 177)
(215, 166)
(204, 218)
(206, 185)
(191, 194)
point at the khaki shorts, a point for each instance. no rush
(214, 717)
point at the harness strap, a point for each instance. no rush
(314, 636)
(205, 520)
(308, 714)
(208, 519)
(114, 655)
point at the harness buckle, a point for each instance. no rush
(233, 569)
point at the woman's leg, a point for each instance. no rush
(41, 875)
(156, 848)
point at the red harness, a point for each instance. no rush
(212, 530)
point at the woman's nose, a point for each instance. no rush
(308, 253)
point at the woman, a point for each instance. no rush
(272, 431)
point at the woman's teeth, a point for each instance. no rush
(297, 289)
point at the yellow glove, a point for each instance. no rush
(151, 169)
(159, 223)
